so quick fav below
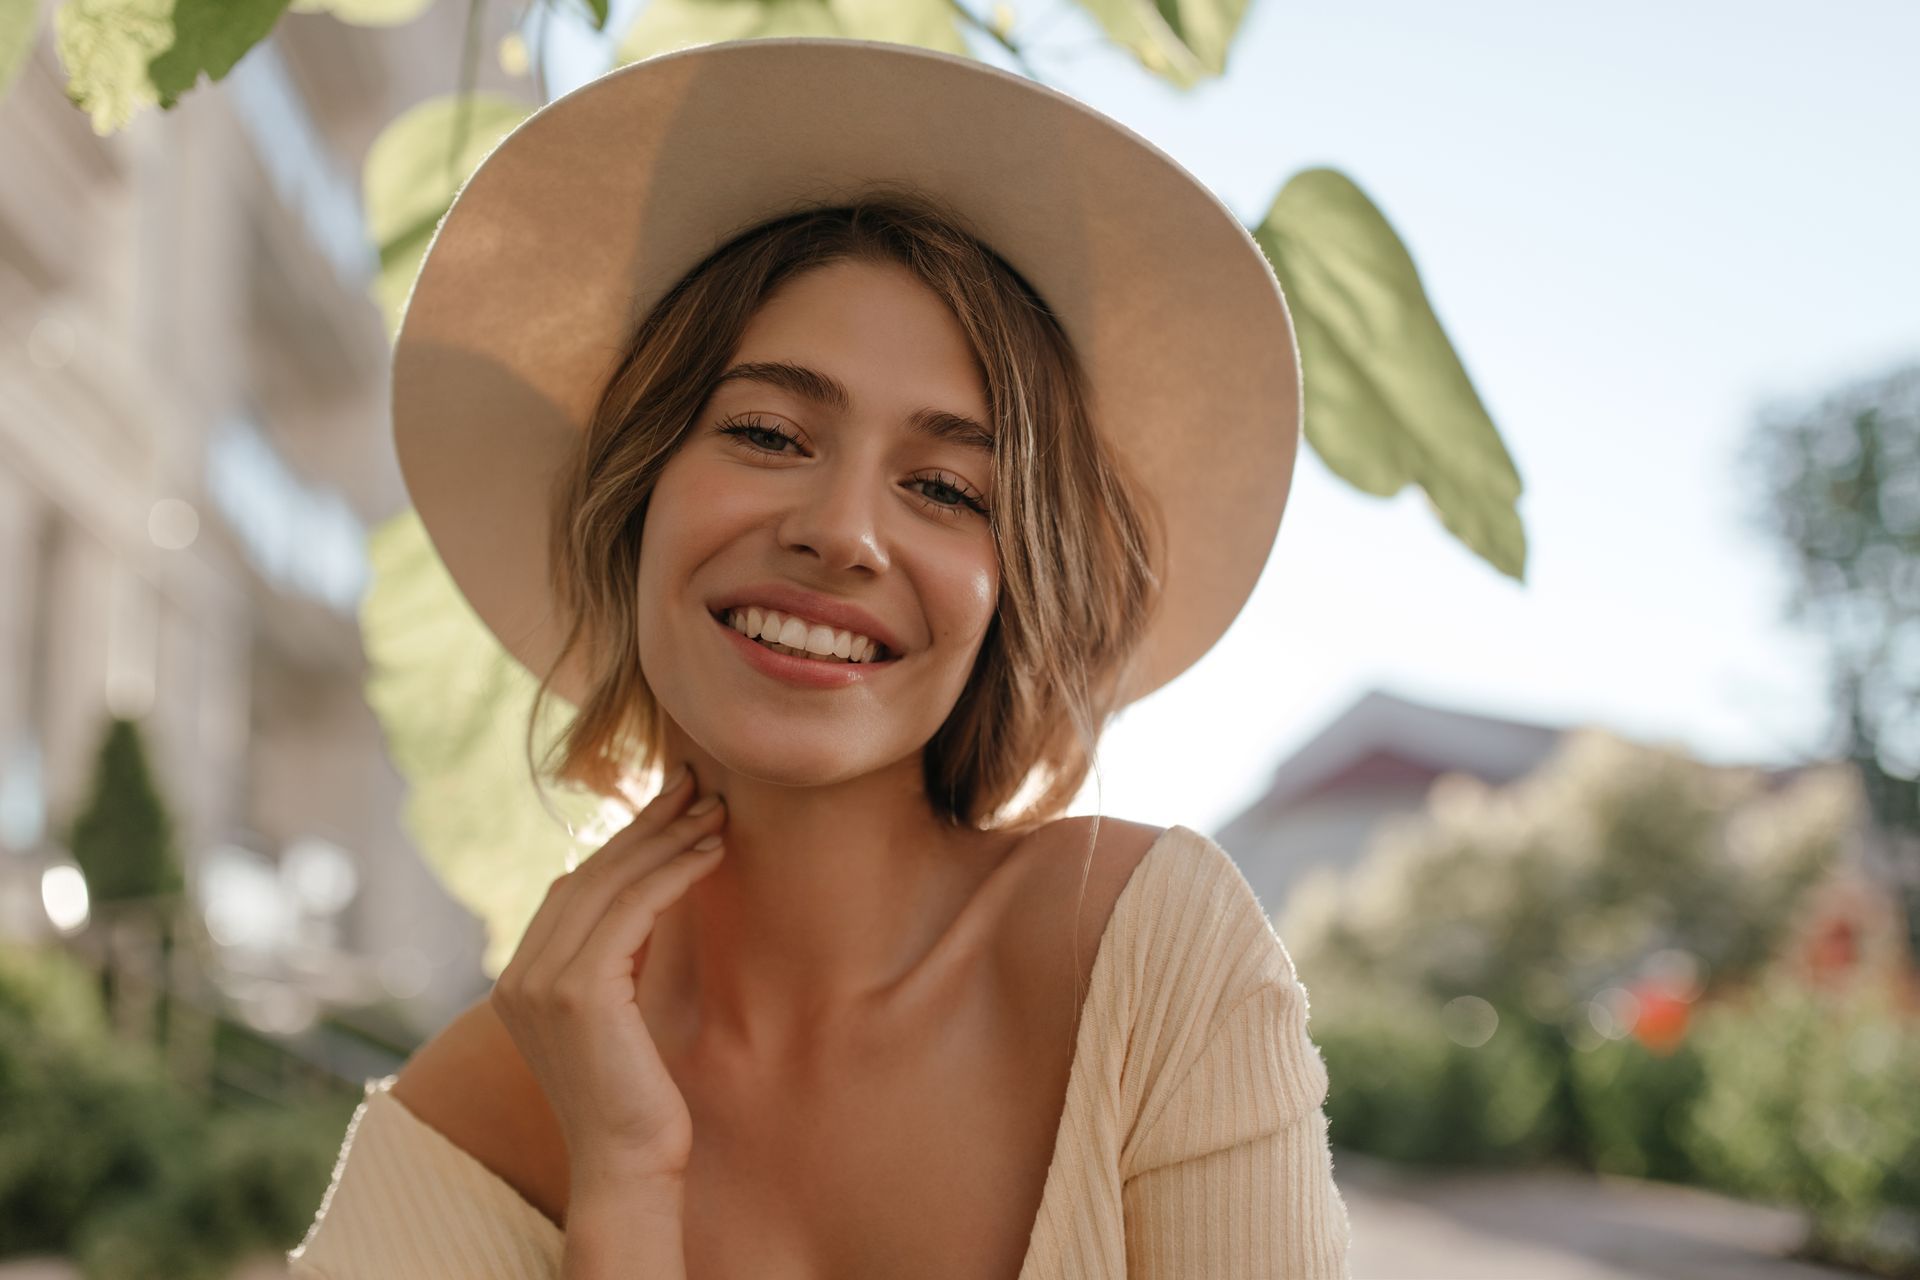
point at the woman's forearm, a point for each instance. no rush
(625, 1231)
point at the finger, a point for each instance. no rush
(662, 809)
(515, 972)
(580, 908)
(599, 980)
(605, 959)
(677, 823)
(650, 818)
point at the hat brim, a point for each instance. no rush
(581, 219)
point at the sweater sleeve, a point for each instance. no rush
(1228, 1173)
(1235, 1180)
(405, 1202)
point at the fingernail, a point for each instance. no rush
(705, 802)
(679, 776)
(707, 843)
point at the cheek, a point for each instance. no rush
(707, 495)
(670, 535)
(970, 588)
(692, 507)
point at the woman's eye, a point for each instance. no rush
(963, 501)
(944, 498)
(759, 436)
(949, 496)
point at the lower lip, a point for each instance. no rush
(808, 673)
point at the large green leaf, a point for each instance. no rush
(927, 23)
(105, 46)
(367, 13)
(666, 25)
(1388, 401)
(414, 170)
(19, 25)
(123, 55)
(210, 36)
(1183, 41)
(454, 705)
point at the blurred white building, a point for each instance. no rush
(193, 444)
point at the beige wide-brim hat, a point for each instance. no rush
(583, 217)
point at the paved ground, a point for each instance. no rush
(1554, 1225)
(1536, 1225)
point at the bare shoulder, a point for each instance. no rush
(1080, 869)
(471, 1084)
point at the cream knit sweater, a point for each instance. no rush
(1192, 1146)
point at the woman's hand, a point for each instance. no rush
(567, 996)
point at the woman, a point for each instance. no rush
(809, 414)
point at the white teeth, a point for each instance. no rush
(814, 640)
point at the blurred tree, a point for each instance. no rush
(1613, 868)
(123, 841)
(1610, 860)
(1841, 482)
(123, 837)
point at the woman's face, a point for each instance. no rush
(854, 504)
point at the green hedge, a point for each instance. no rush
(1783, 1096)
(1815, 1100)
(1631, 1108)
(1401, 1089)
(104, 1160)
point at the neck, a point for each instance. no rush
(828, 906)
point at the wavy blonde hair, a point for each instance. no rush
(1071, 528)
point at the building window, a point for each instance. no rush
(303, 537)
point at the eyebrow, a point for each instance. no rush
(824, 389)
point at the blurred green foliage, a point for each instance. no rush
(104, 1160)
(1541, 894)
(1542, 903)
(665, 25)
(1813, 1098)
(1839, 483)
(1402, 1089)
(455, 705)
(123, 837)
(413, 171)
(1782, 1096)
(1630, 1106)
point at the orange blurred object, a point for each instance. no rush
(1662, 1023)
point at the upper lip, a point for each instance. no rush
(838, 614)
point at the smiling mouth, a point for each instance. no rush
(883, 654)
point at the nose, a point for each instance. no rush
(835, 515)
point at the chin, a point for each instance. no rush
(789, 756)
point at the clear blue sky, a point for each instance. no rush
(1640, 224)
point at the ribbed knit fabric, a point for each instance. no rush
(1193, 1145)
